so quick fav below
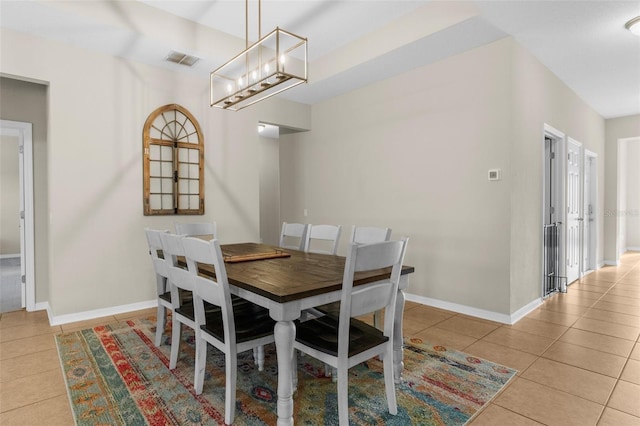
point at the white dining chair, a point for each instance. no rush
(343, 341)
(323, 239)
(163, 290)
(293, 235)
(359, 235)
(232, 328)
(369, 234)
(206, 230)
(181, 285)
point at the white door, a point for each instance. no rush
(23, 131)
(574, 200)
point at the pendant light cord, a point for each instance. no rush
(259, 19)
(246, 23)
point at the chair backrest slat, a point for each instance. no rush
(297, 231)
(371, 299)
(160, 264)
(203, 229)
(326, 233)
(369, 234)
(179, 277)
(376, 256)
(198, 251)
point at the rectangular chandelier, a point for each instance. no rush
(276, 62)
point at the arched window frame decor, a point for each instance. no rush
(173, 159)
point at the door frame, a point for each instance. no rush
(590, 245)
(558, 193)
(24, 132)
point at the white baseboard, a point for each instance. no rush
(43, 306)
(98, 313)
(633, 248)
(475, 312)
(9, 256)
(525, 310)
(601, 264)
(611, 262)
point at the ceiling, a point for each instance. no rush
(353, 43)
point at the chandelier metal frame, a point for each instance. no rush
(259, 71)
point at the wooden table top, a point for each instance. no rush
(290, 278)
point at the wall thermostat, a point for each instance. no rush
(494, 174)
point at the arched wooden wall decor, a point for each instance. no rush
(173, 158)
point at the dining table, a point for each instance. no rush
(288, 282)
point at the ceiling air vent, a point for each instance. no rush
(182, 58)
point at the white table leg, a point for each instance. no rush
(285, 333)
(398, 354)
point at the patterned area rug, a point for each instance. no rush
(116, 376)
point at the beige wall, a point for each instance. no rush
(27, 101)
(97, 108)
(539, 97)
(616, 129)
(10, 196)
(413, 153)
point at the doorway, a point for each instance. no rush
(271, 136)
(627, 213)
(269, 149)
(553, 235)
(22, 132)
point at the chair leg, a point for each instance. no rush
(343, 396)
(201, 363)
(389, 382)
(161, 321)
(258, 357)
(175, 342)
(231, 369)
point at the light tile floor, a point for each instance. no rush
(578, 356)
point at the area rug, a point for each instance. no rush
(116, 376)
